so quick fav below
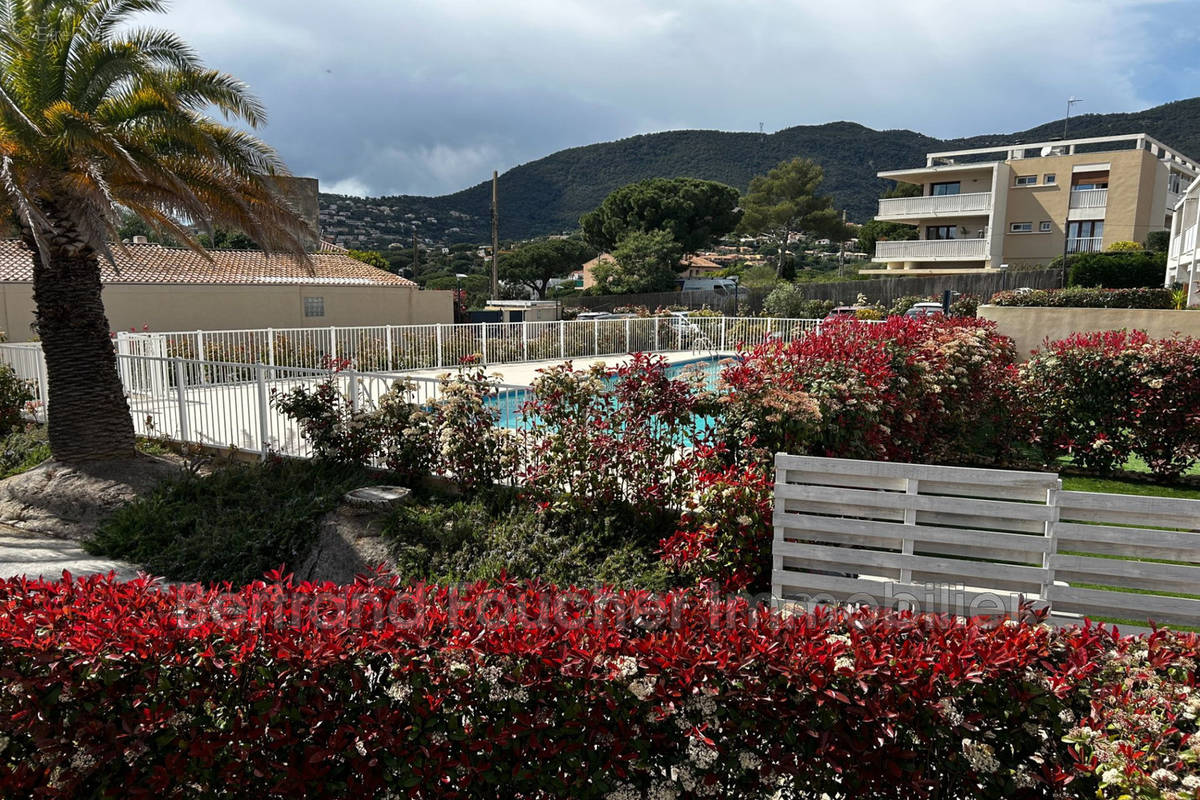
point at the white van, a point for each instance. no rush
(725, 287)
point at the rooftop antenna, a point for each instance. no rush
(1072, 100)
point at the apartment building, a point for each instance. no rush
(1026, 204)
(1183, 257)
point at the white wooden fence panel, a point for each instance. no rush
(885, 533)
(847, 527)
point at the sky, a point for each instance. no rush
(380, 97)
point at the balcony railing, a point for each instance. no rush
(946, 205)
(932, 249)
(1185, 243)
(1089, 198)
(1091, 244)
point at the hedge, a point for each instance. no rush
(1118, 270)
(1105, 396)
(527, 691)
(1078, 297)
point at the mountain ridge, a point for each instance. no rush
(549, 194)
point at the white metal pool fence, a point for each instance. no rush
(388, 348)
(229, 405)
(215, 387)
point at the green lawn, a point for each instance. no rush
(1076, 483)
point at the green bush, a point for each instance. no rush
(22, 450)
(1158, 241)
(233, 525)
(14, 394)
(464, 541)
(787, 301)
(1079, 297)
(1118, 269)
(904, 303)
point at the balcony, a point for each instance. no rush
(1185, 243)
(1089, 199)
(945, 205)
(1091, 244)
(933, 249)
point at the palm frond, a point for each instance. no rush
(96, 115)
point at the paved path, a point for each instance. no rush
(23, 553)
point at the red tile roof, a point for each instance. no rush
(152, 263)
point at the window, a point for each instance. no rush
(1044, 226)
(1087, 187)
(314, 306)
(1026, 180)
(941, 232)
(1085, 236)
(1021, 227)
(941, 189)
(1049, 178)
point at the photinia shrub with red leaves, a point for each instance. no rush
(902, 390)
(725, 531)
(527, 691)
(1101, 397)
(611, 436)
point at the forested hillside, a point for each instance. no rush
(550, 194)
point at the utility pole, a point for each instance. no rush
(495, 235)
(842, 255)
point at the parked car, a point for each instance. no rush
(588, 316)
(922, 310)
(723, 287)
(844, 312)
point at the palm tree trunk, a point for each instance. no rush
(88, 415)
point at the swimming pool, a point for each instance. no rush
(508, 403)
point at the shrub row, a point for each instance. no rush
(904, 390)
(527, 691)
(1118, 270)
(1078, 297)
(1102, 397)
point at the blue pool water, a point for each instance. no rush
(508, 403)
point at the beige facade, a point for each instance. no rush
(160, 307)
(1024, 205)
(1029, 327)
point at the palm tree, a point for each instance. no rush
(97, 117)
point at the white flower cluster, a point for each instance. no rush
(642, 688)
(950, 712)
(624, 667)
(981, 756)
(701, 754)
(399, 691)
(623, 792)
(749, 761)
(662, 790)
(703, 704)
(498, 690)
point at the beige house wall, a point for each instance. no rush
(1030, 327)
(165, 307)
